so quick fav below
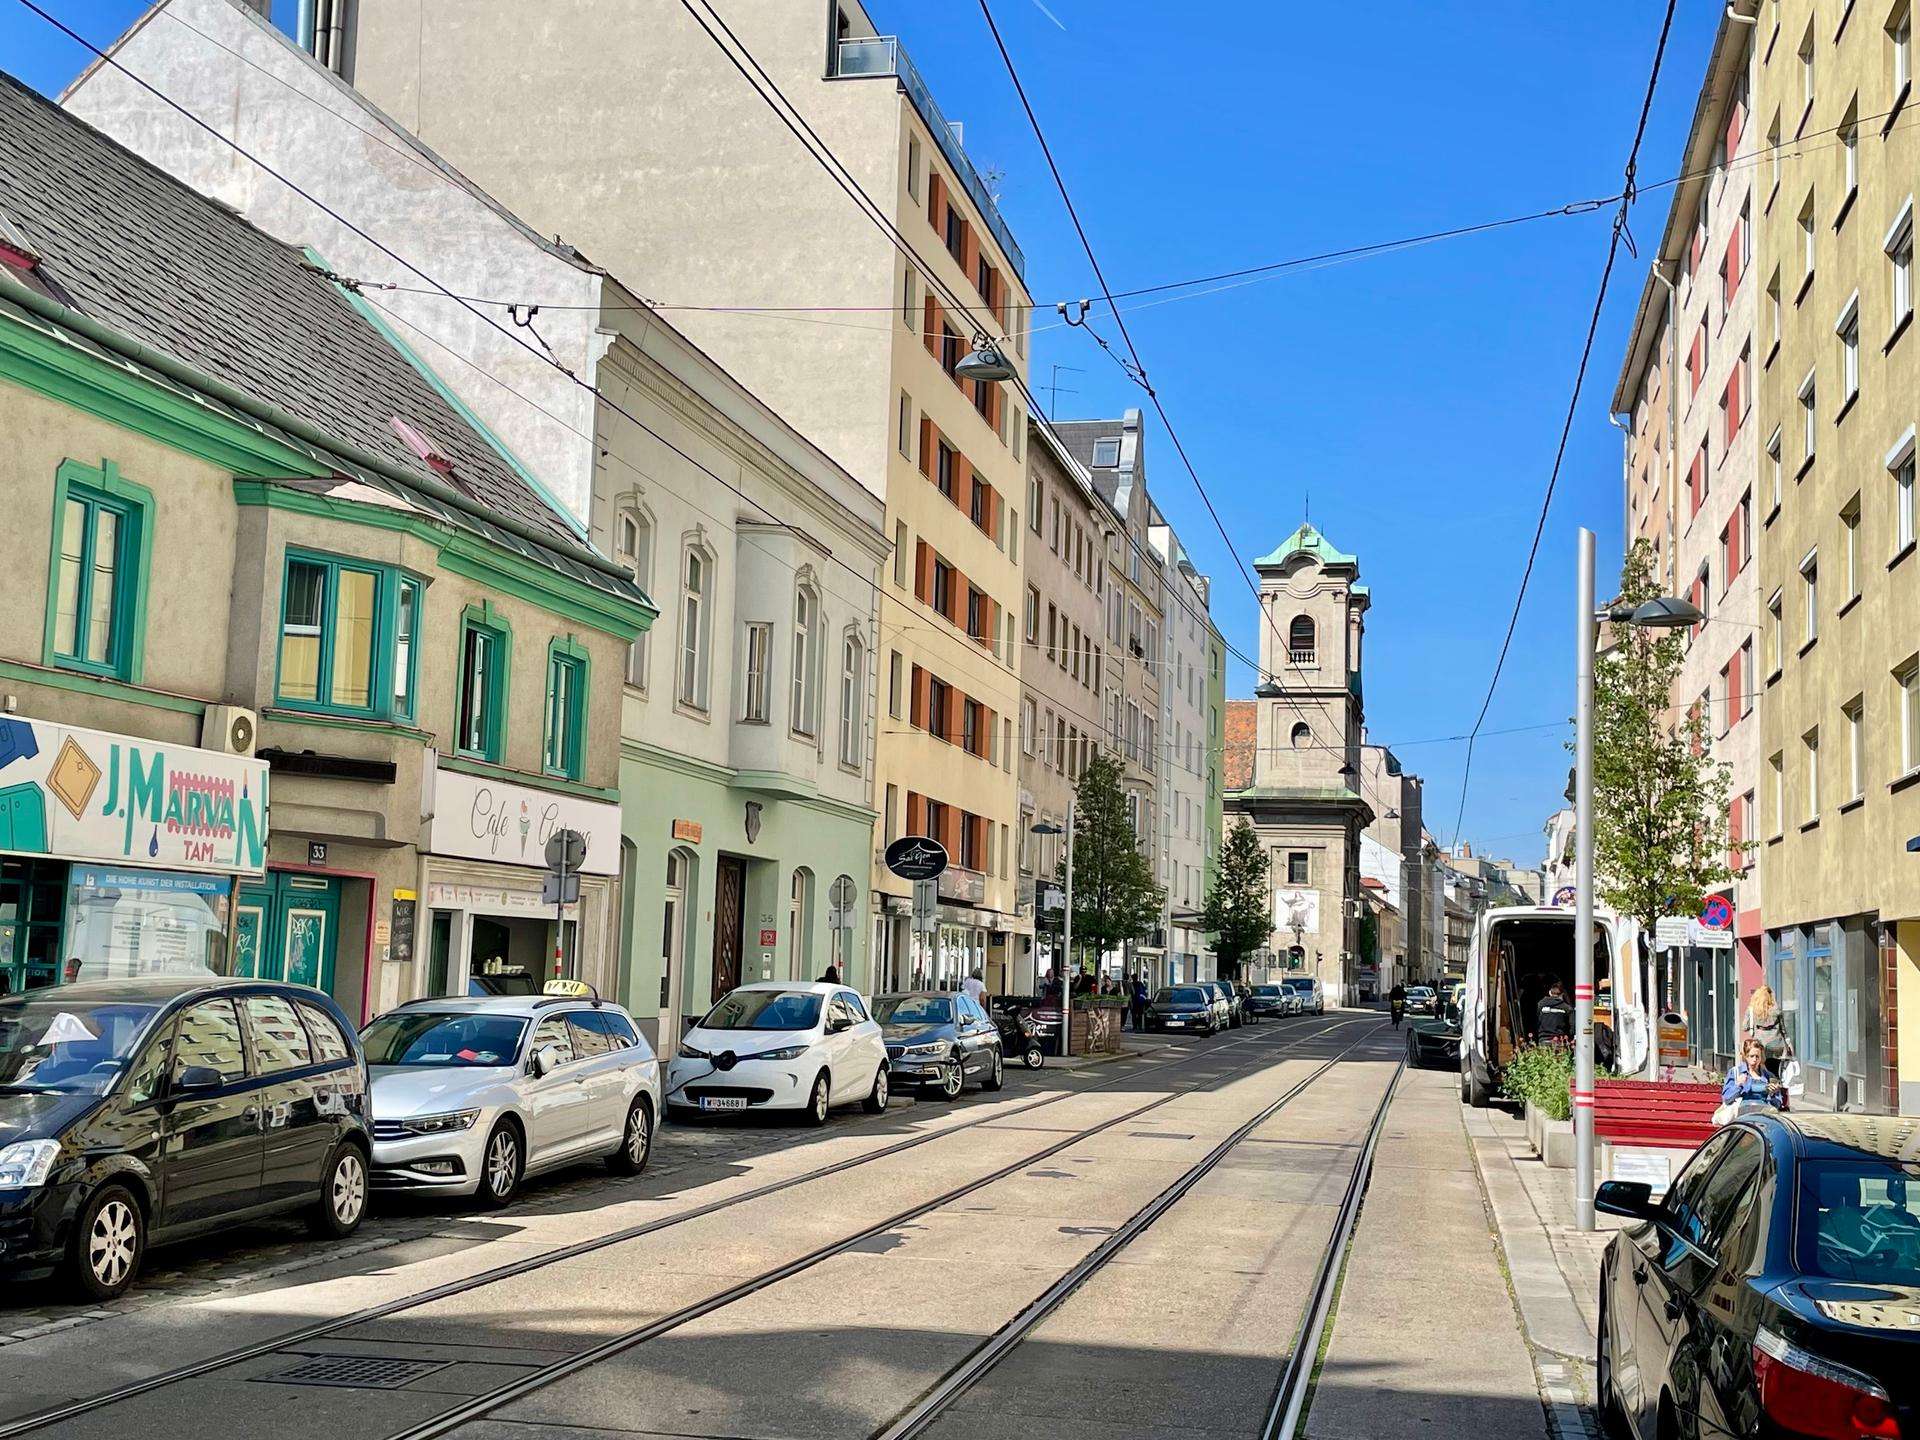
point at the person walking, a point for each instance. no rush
(1139, 999)
(1764, 1022)
(976, 989)
(832, 975)
(1752, 1081)
(1553, 1019)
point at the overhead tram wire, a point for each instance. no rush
(1617, 232)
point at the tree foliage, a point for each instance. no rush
(1239, 908)
(1660, 833)
(1115, 898)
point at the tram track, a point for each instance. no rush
(324, 1329)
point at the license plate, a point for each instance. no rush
(1176, 1022)
(723, 1102)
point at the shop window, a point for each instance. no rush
(96, 606)
(347, 637)
(566, 739)
(486, 645)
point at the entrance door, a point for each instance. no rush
(729, 910)
(289, 929)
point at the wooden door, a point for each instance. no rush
(729, 908)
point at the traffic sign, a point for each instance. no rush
(1565, 895)
(1671, 932)
(1716, 914)
(566, 850)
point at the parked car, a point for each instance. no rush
(1307, 990)
(1420, 1000)
(1433, 1043)
(472, 1096)
(1185, 1007)
(1771, 1292)
(1229, 1003)
(781, 1045)
(1243, 993)
(1271, 1000)
(146, 1110)
(939, 1041)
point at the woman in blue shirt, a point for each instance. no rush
(1750, 1079)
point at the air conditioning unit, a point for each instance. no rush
(230, 729)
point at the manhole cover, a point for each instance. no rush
(359, 1372)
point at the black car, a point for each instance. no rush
(1266, 1000)
(152, 1109)
(1184, 1007)
(1772, 1292)
(1433, 1044)
(1235, 1016)
(939, 1041)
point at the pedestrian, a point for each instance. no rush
(976, 989)
(1763, 1022)
(832, 976)
(1750, 1081)
(1139, 999)
(1553, 1020)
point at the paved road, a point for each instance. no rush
(821, 1310)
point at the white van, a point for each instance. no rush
(1518, 951)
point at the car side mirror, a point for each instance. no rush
(838, 1024)
(544, 1061)
(1630, 1198)
(193, 1078)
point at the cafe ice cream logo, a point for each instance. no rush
(76, 792)
(515, 828)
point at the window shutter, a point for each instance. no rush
(916, 813)
(923, 571)
(928, 437)
(930, 334)
(918, 714)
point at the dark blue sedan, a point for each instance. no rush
(1774, 1292)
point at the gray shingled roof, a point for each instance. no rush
(136, 250)
(1078, 436)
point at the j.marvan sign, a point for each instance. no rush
(88, 795)
(476, 818)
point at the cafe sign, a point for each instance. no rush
(77, 794)
(478, 818)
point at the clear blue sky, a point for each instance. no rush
(1417, 396)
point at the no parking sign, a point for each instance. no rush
(1714, 929)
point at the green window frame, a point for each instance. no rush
(568, 669)
(480, 702)
(348, 637)
(97, 572)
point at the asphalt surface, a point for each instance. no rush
(825, 1309)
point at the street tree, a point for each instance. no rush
(1660, 834)
(1239, 910)
(1114, 895)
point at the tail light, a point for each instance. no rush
(1806, 1395)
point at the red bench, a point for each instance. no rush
(1654, 1112)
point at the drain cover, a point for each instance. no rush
(359, 1372)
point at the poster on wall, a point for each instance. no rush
(478, 818)
(88, 795)
(1296, 910)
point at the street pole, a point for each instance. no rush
(1583, 889)
(1066, 945)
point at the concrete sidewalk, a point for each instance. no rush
(1426, 1340)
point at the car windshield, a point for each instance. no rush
(913, 1010)
(1422, 991)
(74, 1046)
(1182, 995)
(443, 1037)
(1298, 985)
(1268, 992)
(765, 1010)
(1860, 1220)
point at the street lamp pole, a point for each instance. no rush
(1066, 990)
(1583, 891)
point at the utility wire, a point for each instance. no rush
(1616, 235)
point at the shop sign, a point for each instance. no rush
(476, 818)
(915, 857)
(401, 927)
(967, 886)
(87, 795)
(769, 938)
(687, 830)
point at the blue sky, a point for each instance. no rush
(1417, 397)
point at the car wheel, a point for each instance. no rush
(876, 1100)
(501, 1166)
(1035, 1056)
(636, 1141)
(996, 1072)
(1605, 1401)
(108, 1244)
(818, 1101)
(1473, 1089)
(952, 1080)
(343, 1194)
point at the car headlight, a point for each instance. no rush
(441, 1124)
(935, 1047)
(785, 1052)
(688, 1052)
(25, 1164)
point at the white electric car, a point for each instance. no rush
(470, 1096)
(781, 1045)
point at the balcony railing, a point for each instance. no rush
(1299, 657)
(872, 56)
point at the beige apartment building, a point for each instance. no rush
(638, 140)
(1062, 670)
(1838, 398)
(1692, 486)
